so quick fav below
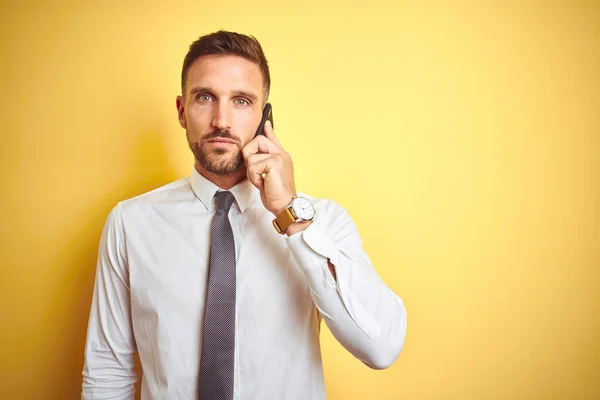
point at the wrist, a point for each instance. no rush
(277, 212)
(295, 217)
(296, 227)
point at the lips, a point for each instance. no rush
(221, 140)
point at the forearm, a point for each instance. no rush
(370, 324)
(109, 368)
(108, 371)
(364, 315)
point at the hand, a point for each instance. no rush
(271, 170)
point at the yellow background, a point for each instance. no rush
(463, 137)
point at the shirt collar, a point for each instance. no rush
(205, 190)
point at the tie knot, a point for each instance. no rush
(224, 200)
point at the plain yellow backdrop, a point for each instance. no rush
(462, 136)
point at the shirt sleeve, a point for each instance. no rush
(109, 367)
(360, 310)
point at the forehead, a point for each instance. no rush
(225, 74)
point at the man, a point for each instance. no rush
(220, 281)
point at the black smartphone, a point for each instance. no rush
(266, 116)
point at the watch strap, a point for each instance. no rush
(284, 220)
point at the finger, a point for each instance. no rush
(264, 165)
(268, 144)
(254, 158)
(260, 144)
(257, 171)
(257, 181)
(270, 133)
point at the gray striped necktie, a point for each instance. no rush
(218, 334)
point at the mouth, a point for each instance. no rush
(221, 141)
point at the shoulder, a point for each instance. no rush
(163, 196)
(166, 193)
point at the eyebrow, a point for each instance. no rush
(242, 93)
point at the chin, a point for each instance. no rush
(225, 164)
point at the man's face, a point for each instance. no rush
(221, 110)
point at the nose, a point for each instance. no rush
(221, 116)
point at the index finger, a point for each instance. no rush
(260, 145)
(270, 133)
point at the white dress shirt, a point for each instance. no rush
(150, 291)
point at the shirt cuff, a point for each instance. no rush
(311, 250)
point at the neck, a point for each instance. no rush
(224, 182)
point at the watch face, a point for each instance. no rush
(303, 208)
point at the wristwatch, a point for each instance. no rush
(300, 209)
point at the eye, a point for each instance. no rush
(241, 102)
(204, 98)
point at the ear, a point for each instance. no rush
(181, 112)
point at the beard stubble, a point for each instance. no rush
(218, 161)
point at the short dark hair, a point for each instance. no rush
(224, 43)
